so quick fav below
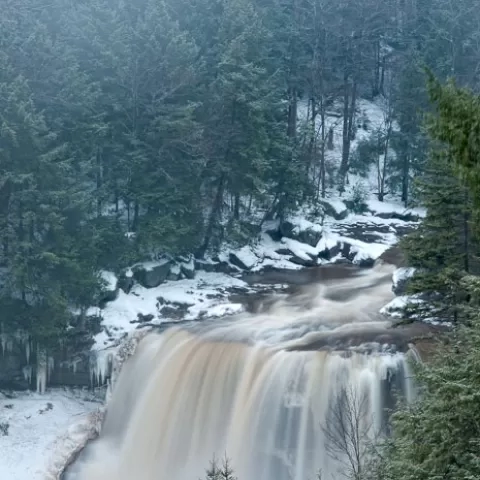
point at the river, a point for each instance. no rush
(285, 389)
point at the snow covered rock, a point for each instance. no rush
(205, 265)
(335, 209)
(304, 232)
(109, 290)
(126, 281)
(187, 266)
(302, 261)
(152, 274)
(400, 280)
(330, 252)
(406, 216)
(175, 273)
(243, 258)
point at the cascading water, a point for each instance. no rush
(259, 387)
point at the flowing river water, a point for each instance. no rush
(272, 388)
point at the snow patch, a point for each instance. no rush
(402, 274)
(109, 279)
(38, 426)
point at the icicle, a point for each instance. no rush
(74, 363)
(3, 338)
(100, 367)
(27, 350)
(42, 370)
(50, 367)
(27, 374)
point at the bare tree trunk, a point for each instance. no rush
(381, 192)
(136, 215)
(313, 137)
(215, 211)
(405, 178)
(322, 151)
(236, 206)
(466, 237)
(345, 132)
(99, 181)
(292, 114)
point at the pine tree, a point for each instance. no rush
(439, 436)
(443, 248)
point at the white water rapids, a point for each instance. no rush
(261, 387)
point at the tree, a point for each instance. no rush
(349, 432)
(439, 436)
(443, 248)
(223, 472)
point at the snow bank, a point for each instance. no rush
(376, 206)
(396, 308)
(120, 317)
(40, 425)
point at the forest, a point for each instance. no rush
(130, 129)
(134, 129)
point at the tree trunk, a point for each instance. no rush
(351, 115)
(376, 73)
(292, 114)
(236, 206)
(216, 208)
(381, 193)
(136, 216)
(466, 237)
(313, 137)
(99, 182)
(405, 178)
(382, 77)
(345, 133)
(322, 151)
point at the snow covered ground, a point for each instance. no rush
(39, 432)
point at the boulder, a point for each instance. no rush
(110, 288)
(172, 312)
(406, 216)
(393, 256)
(286, 229)
(187, 267)
(302, 261)
(284, 251)
(244, 258)
(330, 211)
(175, 273)
(346, 251)
(275, 234)
(309, 235)
(237, 261)
(145, 318)
(332, 252)
(225, 267)
(365, 263)
(126, 281)
(152, 275)
(204, 265)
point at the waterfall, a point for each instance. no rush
(263, 399)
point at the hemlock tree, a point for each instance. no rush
(439, 436)
(443, 248)
(44, 271)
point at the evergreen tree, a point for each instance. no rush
(439, 436)
(443, 248)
